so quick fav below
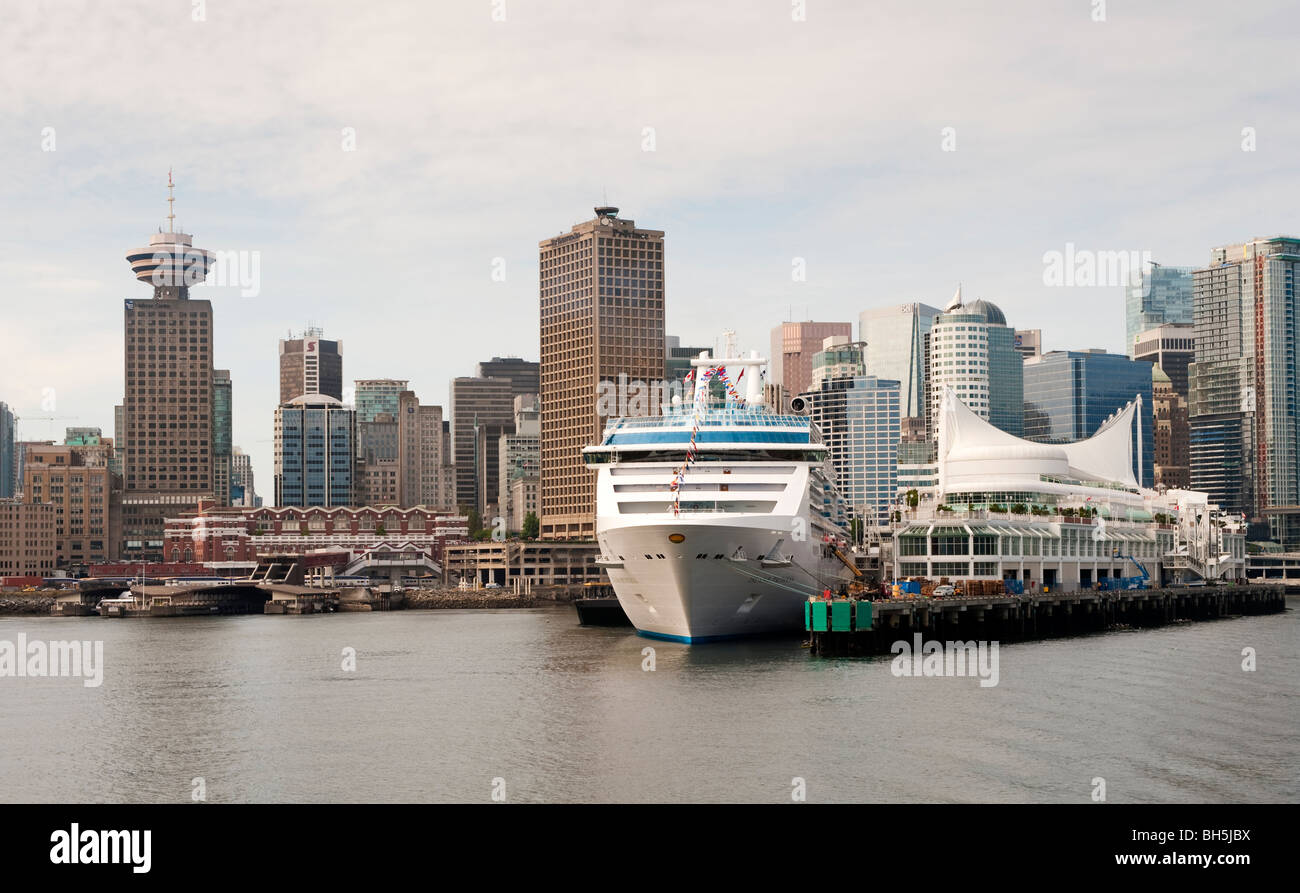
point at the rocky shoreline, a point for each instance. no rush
(25, 603)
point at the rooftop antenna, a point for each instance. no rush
(171, 199)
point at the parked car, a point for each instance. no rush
(944, 591)
(491, 585)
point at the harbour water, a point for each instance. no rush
(441, 703)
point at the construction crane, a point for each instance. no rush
(44, 418)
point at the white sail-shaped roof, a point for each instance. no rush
(1108, 454)
(977, 455)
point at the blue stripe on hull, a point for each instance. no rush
(691, 640)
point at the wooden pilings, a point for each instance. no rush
(1015, 618)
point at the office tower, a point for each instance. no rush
(83, 436)
(243, 493)
(918, 467)
(378, 396)
(378, 444)
(119, 438)
(167, 409)
(861, 423)
(402, 447)
(7, 458)
(524, 375)
(481, 412)
(1170, 432)
(895, 339)
(222, 435)
(76, 479)
(1172, 347)
(28, 542)
(1029, 342)
(602, 314)
(315, 446)
(793, 347)
(20, 459)
(840, 357)
(425, 474)
(520, 452)
(482, 409)
(1161, 295)
(1070, 393)
(677, 359)
(1242, 403)
(310, 365)
(970, 349)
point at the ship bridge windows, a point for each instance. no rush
(729, 486)
(698, 506)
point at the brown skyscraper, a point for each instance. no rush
(602, 314)
(793, 346)
(310, 365)
(167, 410)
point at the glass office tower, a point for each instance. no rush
(1068, 394)
(314, 450)
(895, 349)
(1162, 295)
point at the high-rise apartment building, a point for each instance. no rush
(310, 365)
(602, 315)
(315, 453)
(1161, 295)
(794, 344)
(167, 462)
(970, 349)
(1245, 424)
(520, 456)
(861, 423)
(1070, 393)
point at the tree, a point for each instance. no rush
(532, 526)
(913, 498)
(475, 522)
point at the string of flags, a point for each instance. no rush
(699, 403)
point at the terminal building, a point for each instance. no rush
(1061, 516)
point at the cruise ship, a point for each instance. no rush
(718, 518)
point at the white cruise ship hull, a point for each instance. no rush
(702, 590)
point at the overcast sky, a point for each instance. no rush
(772, 139)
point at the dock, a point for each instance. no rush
(842, 626)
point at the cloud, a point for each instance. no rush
(475, 139)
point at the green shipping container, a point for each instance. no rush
(840, 617)
(807, 615)
(864, 615)
(819, 617)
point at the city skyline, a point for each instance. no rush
(743, 181)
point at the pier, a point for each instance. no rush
(864, 627)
